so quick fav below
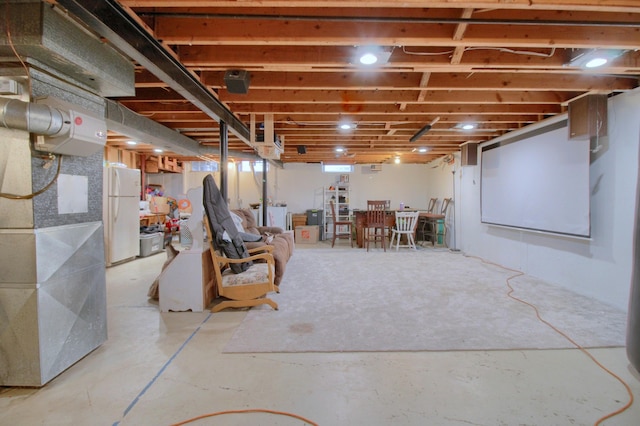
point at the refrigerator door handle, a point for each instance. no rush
(116, 208)
(116, 188)
(116, 194)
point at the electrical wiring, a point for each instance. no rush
(249, 410)
(30, 196)
(515, 52)
(567, 337)
(499, 49)
(446, 52)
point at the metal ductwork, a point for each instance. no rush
(34, 118)
(122, 120)
(60, 131)
(108, 19)
(126, 122)
(50, 41)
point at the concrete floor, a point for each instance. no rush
(161, 369)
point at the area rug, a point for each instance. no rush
(343, 299)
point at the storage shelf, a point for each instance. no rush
(340, 194)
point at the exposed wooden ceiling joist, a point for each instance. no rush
(502, 65)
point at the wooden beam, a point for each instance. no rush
(456, 58)
(567, 5)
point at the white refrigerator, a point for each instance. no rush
(121, 214)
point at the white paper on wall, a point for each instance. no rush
(73, 194)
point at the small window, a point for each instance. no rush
(245, 166)
(204, 166)
(337, 168)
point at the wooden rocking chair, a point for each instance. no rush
(245, 277)
(248, 288)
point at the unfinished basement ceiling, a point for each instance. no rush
(498, 65)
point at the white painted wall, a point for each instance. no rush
(300, 186)
(599, 267)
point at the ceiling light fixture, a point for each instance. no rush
(132, 143)
(372, 55)
(465, 126)
(424, 130)
(368, 59)
(158, 150)
(339, 149)
(397, 160)
(593, 58)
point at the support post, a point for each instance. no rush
(224, 154)
(265, 203)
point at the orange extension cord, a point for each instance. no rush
(250, 410)
(509, 294)
(573, 342)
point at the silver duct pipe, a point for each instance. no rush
(35, 118)
(126, 122)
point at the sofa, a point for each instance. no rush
(282, 242)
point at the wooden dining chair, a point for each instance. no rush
(426, 225)
(375, 228)
(341, 228)
(437, 229)
(432, 205)
(440, 232)
(445, 206)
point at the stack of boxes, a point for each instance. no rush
(307, 227)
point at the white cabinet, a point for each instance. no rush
(276, 216)
(339, 194)
(187, 283)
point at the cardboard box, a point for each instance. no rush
(307, 234)
(159, 205)
(151, 166)
(298, 220)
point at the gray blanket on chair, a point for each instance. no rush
(225, 236)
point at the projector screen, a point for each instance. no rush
(537, 181)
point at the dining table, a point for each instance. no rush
(360, 218)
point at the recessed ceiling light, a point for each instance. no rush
(596, 62)
(346, 125)
(368, 59)
(370, 55)
(339, 149)
(422, 150)
(593, 58)
(465, 126)
(397, 160)
(132, 143)
(157, 150)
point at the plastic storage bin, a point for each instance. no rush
(315, 217)
(151, 243)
